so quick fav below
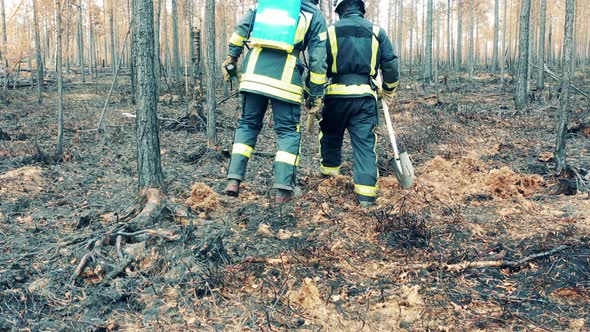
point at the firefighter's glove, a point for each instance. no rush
(314, 106)
(388, 97)
(229, 68)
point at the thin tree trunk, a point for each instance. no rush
(4, 51)
(175, 47)
(495, 61)
(551, 48)
(210, 76)
(67, 41)
(60, 92)
(400, 31)
(112, 32)
(564, 99)
(149, 166)
(449, 42)
(157, 44)
(503, 55)
(4, 37)
(541, 73)
(521, 96)
(39, 61)
(459, 37)
(428, 63)
(81, 43)
(471, 62)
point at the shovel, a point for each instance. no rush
(402, 167)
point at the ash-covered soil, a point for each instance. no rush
(454, 253)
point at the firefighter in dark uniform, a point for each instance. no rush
(357, 50)
(275, 77)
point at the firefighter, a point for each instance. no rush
(357, 50)
(275, 76)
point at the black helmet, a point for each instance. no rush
(361, 4)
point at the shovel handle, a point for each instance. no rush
(391, 132)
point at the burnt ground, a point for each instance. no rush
(485, 192)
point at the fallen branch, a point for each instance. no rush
(555, 77)
(462, 266)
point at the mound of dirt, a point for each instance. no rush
(505, 183)
(202, 198)
(24, 181)
(451, 180)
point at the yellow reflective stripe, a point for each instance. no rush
(375, 50)
(347, 90)
(289, 68)
(272, 44)
(305, 19)
(318, 78)
(242, 149)
(253, 59)
(287, 86)
(366, 190)
(287, 158)
(271, 90)
(333, 47)
(392, 85)
(237, 40)
(329, 170)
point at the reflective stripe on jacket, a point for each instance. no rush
(278, 74)
(357, 49)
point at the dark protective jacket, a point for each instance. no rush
(276, 73)
(357, 49)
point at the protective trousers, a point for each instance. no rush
(359, 117)
(286, 124)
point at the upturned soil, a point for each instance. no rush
(453, 253)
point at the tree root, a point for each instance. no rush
(127, 230)
(465, 265)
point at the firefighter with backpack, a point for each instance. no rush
(357, 50)
(276, 33)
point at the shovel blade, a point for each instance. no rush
(404, 170)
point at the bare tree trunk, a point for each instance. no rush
(157, 45)
(428, 63)
(400, 31)
(60, 92)
(471, 62)
(112, 32)
(503, 55)
(191, 45)
(4, 51)
(39, 61)
(564, 99)
(541, 73)
(551, 48)
(81, 43)
(4, 37)
(149, 166)
(459, 37)
(67, 41)
(521, 96)
(495, 61)
(449, 51)
(175, 47)
(91, 38)
(412, 25)
(210, 74)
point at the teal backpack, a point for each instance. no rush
(275, 24)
